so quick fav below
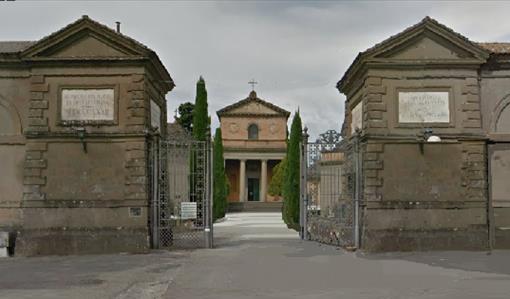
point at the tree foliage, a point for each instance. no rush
(200, 133)
(185, 115)
(200, 115)
(276, 184)
(220, 182)
(291, 181)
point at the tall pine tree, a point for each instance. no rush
(200, 116)
(291, 183)
(220, 188)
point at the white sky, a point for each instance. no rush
(296, 50)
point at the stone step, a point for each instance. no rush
(253, 206)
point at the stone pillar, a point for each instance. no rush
(242, 180)
(263, 180)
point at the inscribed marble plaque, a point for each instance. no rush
(423, 107)
(87, 105)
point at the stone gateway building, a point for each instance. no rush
(254, 138)
(431, 112)
(78, 109)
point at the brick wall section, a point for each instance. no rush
(471, 106)
(136, 171)
(474, 171)
(374, 109)
(38, 105)
(33, 171)
(138, 104)
(372, 170)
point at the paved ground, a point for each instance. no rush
(258, 257)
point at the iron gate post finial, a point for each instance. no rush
(208, 228)
(303, 204)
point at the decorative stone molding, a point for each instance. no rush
(374, 110)
(373, 164)
(38, 105)
(137, 106)
(33, 171)
(471, 106)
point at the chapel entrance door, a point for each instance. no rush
(253, 189)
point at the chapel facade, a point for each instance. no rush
(254, 134)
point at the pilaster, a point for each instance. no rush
(138, 104)
(35, 165)
(38, 105)
(136, 170)
(374, 112)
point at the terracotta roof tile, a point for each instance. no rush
(14, 46)
(496, 48)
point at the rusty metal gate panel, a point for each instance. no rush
(327, 205)
(182, 208)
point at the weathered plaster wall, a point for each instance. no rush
(14, 95)
(495, 91)
(429, 198)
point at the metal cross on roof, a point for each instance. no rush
(252, 83)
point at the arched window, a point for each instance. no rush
(253, 132)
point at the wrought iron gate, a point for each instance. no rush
(327, 184)
(181, 204)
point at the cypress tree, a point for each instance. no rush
(292, 179)
(220, 186)
(200, 116)
(276, 184)
(199, 130)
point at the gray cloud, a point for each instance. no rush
(297, 51)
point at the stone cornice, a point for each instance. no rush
(255, 150)
(40, 51)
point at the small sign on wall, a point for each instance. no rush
(188, 210)
(357, 117)
(155, 116)
(423, 107)
(88, 105)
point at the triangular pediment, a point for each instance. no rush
(427, 46)
(427, 40)
(87, 45)
(425, 43)
(253, 106)
(85, 38)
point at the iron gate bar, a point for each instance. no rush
(181, 198)
(328, 207)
